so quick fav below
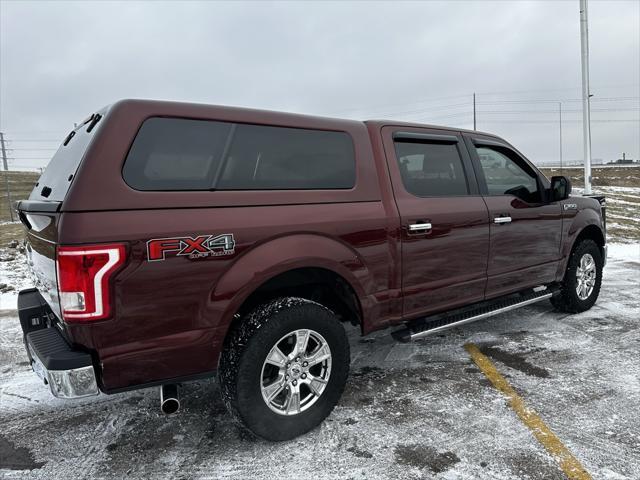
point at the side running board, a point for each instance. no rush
(433, 324)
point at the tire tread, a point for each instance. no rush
(239, 341)
(567, 300)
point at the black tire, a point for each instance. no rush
(240, 373)
(568, 299)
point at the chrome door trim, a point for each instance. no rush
(419, 227)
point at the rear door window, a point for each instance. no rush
(431, 169)
(182, 154)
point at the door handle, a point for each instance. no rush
(499, 220)
(419, 227)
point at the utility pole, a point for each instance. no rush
(6, 174)
(474, 111)
(586, 102)
(560, 125)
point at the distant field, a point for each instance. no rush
(621, 185)
(20, 184)
(600, 176)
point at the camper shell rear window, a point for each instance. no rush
(54, 183)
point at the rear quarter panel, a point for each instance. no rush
(172, 315)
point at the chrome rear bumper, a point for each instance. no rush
(70, 383)
(69, 372)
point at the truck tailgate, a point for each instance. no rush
(41, 220)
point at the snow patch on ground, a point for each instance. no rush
(14, 276)
(624, 251)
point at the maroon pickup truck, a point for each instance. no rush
(171, 242)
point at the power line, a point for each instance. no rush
(33, 149)
(520, 92)
(451, 115)
(17, 167)
(35, 140)
(469, 96)
(430, 109)
(503, 112)
(608, 99)
(517, 112)
(413, 102)
(416, 111)
(43, 131)
(630, 120)
(489, 103)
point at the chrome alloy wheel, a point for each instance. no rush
(296, 372)
(586, 275)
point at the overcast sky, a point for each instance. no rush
(417, 61)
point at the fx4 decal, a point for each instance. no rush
(199, 247)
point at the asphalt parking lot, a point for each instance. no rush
(421, 410)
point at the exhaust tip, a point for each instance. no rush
(170, 405)
(169, 401)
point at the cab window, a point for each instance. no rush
(506, 173)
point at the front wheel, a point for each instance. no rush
(284, 367)
(581, 284)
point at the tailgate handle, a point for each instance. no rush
(23, 219)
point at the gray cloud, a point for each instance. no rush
(409, 61)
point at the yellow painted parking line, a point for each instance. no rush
(568, 463)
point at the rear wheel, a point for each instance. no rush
(284, 367)
(581, 284)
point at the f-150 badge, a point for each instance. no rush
(159, 249)
(570, 206)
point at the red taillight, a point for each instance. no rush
(83, 280)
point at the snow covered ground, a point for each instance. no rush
(13, 275)
(420, 410)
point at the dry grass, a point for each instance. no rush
(621, 186)
(600, 176)
(20, 184)
(9, 232)
(623, 215)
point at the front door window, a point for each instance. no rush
(506, 174)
